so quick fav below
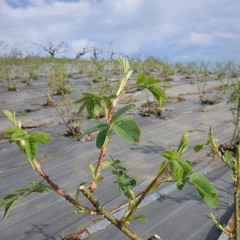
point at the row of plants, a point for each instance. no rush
(173, 167)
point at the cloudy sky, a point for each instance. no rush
(179, 30)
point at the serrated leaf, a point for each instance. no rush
(128, 131)
(9, 115)
(176, 170)
(15, 130)
(40, 137)
(102, 137)
(94, 107)
(205, 189)
(171, 155)
(107, 101)
(183, 143)
(19, 136)
(121, 111)
(186, 165)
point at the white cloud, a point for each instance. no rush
(133, 25)
(199, 39)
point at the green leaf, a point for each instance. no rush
(141, 218)
(121, 111)
(10, 116)
(102, 137)
(7, 209)
(14, 130)
(106, 164)
(28, 150)
(229, 156)
(40, 137)
(183, 143)
(182, 182)
(171, 155)
(94, 107)
(205, 189)
(125, 65)
(92, 169)
(107, 101)
(128, 131)
(198, 147)
(176, 170)
(19, 136)
(158, 93)
(8, 201)
(79, 211)
(186, 165)
(98, 127)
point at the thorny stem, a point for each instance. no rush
(59, 190)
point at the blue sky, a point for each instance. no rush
(179, 30)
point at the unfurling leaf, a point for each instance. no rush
(176, 170)
(171, 155)
(92, 169)
(183, 144)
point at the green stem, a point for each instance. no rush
(236, 193)
(148, 189)
(93, 185)
(236, 130)
(108, 215)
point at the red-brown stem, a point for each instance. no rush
(59, 190)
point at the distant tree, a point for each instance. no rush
(111, 53)
(96, 51)
(52, 47)
(82, 51)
